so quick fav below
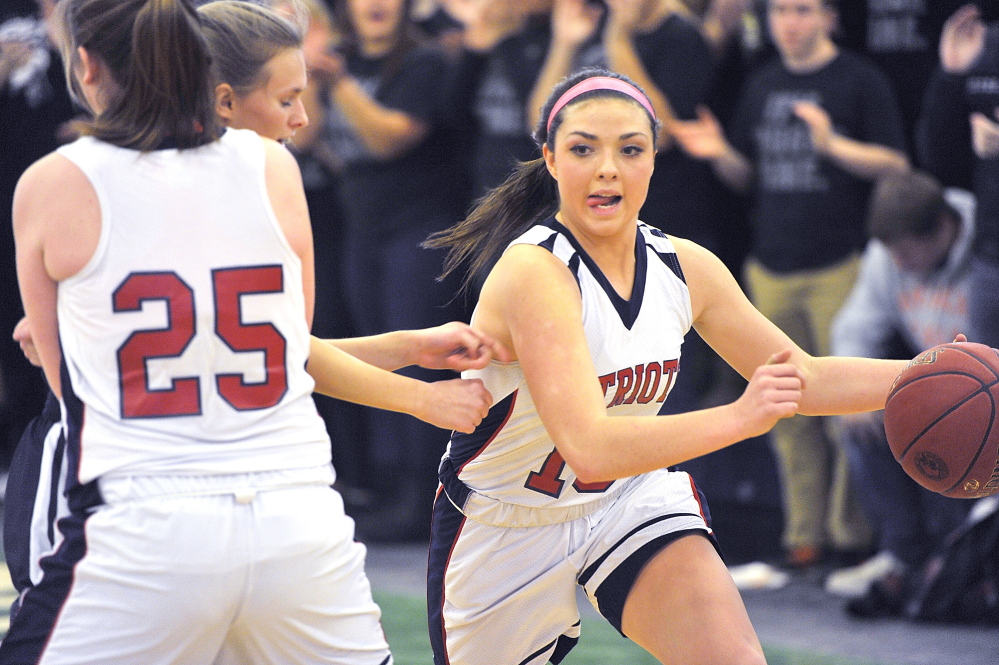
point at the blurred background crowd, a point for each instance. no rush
(828, 152)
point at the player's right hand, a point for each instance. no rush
(22, 335)
(456, 404)
(774, 392)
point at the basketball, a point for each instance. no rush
(940, 419)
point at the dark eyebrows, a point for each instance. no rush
(591, 137)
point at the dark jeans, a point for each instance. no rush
(909, 520)
(983, 310)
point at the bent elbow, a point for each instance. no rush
(588, 466)
(590, 476)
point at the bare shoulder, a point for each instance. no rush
(52, 181)
(527, 269)
(280, 164)
(56, 211)
(54, 193)
(276, 152)
(528, 288)
(287, 196)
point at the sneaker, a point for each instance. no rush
(855, 582)
(885, 598)
(802, 557)
(758, 575)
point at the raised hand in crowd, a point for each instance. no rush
(13, 56)
(573, 23)
(487, 22)
(962, 39)
(704, 138)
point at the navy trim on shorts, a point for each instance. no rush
(563, 646)
(444, 530)
(588, 573)
(32, 626)
(22, 486)
(613, 591)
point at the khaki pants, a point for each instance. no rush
(819, 505)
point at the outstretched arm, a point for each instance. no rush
(745, 339)
(704, 138)
(869, 161)
(458, 404)
(455, 346)
(623, 19)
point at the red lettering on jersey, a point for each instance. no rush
(547, 480)
(639, 376)
(669, 369)
(651, 384)
(231, 284)
(625, 379)
(138, 400)
(607, 381)
(591, 488)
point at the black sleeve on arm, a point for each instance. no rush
(465, 81)
(882, 120)
(683, 69)
(943, 132)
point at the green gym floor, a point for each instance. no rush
(798, 625)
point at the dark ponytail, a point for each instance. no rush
(528, 196)
(160, 64)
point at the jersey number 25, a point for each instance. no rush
(183, 397)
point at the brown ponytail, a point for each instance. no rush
(528, 196)
(159, 61)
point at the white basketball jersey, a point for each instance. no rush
(184, 339)
(635, 346)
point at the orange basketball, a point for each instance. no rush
(940, 419)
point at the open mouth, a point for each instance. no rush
(603, 201)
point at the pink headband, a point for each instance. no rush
(600, 83)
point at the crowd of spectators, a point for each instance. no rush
(779, 116)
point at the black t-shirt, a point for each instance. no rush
(490, 97)
(809, 213)
(981, 89)
(683, 193)
(381, 195)
(500, 84)
(944, 137)
(902, 39)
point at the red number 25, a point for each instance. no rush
(183, 397)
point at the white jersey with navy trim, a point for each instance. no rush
(510, 463)
(184, 339)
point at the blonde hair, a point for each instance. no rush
(243, 37)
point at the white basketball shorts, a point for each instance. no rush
(500, 594)
(247, 568)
